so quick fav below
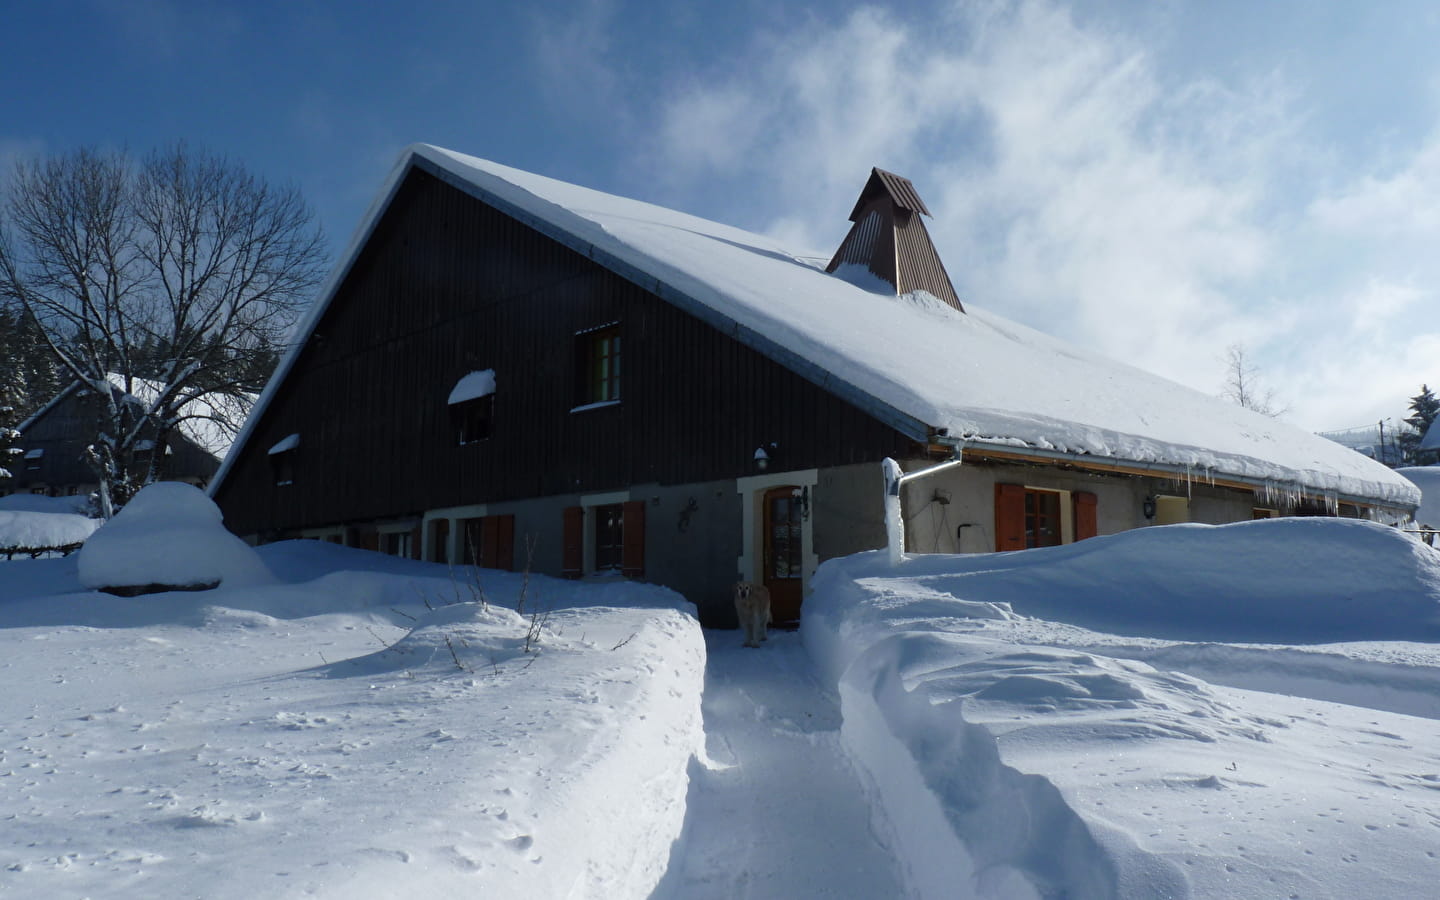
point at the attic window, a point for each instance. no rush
(597, 366)
(32, 459)
(282, 459)
(472, 406)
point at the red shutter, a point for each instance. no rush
(1009, 517)
(632, 562)
(440, 537)
(1087, 523)
(572, 542)
(488, 535)
(497, 542)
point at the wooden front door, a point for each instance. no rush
(784, 553)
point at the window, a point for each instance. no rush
(282, 459)
(489, 541)
(1042, 518)
(33, 458)
(783, 542)
(282, 465)
(597, 366)
(472, 406)
(609, 537)
(606, 535)
(396, 543)
(1028, 517)
(472, 419)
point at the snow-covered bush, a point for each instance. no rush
(170, 536)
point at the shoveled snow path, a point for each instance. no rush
(777, 811)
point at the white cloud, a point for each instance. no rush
(1082, 189)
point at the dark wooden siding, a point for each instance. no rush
(447, 285)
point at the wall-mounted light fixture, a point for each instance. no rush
(1148, 507)
(763, 454)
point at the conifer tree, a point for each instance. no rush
(1424, 408)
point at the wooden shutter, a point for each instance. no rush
(1087, 523)
(440, 539)
(1009, 517)
(572, 542)
(632, 563)
(497, 542)
(416, 534)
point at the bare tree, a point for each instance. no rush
(157, 284)
(1243, 385)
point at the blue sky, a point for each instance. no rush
(1156, 181)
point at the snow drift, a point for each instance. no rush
(981, 730)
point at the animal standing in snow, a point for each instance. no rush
(752, 606)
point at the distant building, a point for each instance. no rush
(53, 441)
(515, 371)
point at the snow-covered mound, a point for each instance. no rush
(38, 530)
(169, 535)
(1291, 580)
(1427, 479)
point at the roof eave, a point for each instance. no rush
(1162, 469)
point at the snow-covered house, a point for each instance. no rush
(517, 371)
(55, 436)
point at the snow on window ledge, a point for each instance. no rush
(289, 442)
(589, 406)
(473, 386)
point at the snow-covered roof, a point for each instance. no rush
(1431, 439)
(1427, 479)
(911, 361)
(209, 420)
(473, 386)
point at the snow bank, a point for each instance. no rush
(1290, 580)
(595, 714)
(1022, 756)
(365, 729)
(1427, 479)
(169, 534)
(27, 530)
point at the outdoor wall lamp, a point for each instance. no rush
(762, 456)
(1148, 507)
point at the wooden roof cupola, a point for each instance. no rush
(889, 239)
